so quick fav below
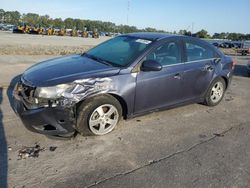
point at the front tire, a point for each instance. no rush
(215, 92)
(98, 116)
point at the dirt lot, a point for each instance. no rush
(190, 146)
(25, 44)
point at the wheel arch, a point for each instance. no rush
(122, 102)
(212, 80)
(225, 79)
(116, 96)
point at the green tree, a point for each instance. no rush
(58, 22)
(219, 36)
(7, 17)
(235, 36)
(185, 32)
(79, 24)
(150, 29)
(2, 15)
(44, 21)
(202, 34)
(31, 19)
(10, 17)
(69, 23)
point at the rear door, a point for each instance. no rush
(199, 68)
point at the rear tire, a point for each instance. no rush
(98, 116)
(215, 92)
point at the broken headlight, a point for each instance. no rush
(53, 92)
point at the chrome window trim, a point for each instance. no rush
(189, 62)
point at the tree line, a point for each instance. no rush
(229, 36)
(33, 19)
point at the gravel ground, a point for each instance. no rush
(26, 44)
(190, 146)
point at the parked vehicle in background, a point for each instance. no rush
(248, 68)
(237, 44)
(226, 45)
(216, 44)
(244, 49)
(6, 27)
(126, 76)
(24, 28)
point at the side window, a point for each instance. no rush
(198, 52)
(166, 54)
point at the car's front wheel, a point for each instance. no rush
(215, 92)
(99, 115)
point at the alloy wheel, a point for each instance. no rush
(217, 92)
(103, 119)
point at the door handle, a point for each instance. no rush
(208, 68)
(177, 76)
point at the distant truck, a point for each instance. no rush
(244, 49)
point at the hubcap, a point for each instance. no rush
(103, 119)
(217, 92)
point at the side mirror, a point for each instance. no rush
(151, 65)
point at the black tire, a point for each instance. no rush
(87, 107)
(208, 100)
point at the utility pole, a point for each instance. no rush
(192, 27)
(128, 6)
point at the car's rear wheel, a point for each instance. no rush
(99, 115)
(215, 92)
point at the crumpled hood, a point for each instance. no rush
(66, 69)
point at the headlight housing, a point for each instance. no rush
(53, 92)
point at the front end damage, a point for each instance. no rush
(44, 111)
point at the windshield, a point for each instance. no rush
(119, 51)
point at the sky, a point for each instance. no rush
(170, 15)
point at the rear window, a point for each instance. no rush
(197, 52)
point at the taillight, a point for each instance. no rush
(233, 64)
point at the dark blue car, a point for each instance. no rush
(126, 76)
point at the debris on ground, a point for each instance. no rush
(10, 148)
(29, 152)
(209, 110)
(202, 135)
(52, 148)
(151, 161)
(138, 120)
(229, 98)
(218, 134)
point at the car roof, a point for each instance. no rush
(150, 35)
(159, 36)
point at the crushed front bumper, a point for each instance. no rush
(54, 121)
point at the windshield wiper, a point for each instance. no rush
(98, 59)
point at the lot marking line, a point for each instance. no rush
(167, 157)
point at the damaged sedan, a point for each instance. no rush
(124, 77)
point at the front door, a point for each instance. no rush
(156, 89)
